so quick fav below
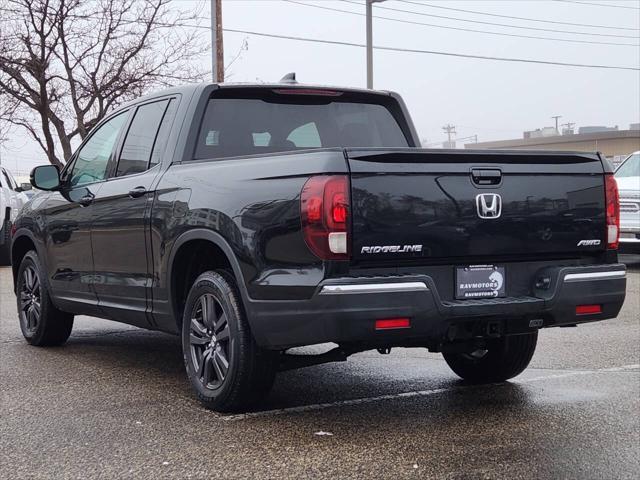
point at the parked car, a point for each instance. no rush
(28, 190)
(12, 198)
(628, 178)
(250, 219)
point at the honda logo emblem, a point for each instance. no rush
(489, 205)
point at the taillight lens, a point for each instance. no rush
(392, 323)
(324, 209)
(613, 211)
(588, 309)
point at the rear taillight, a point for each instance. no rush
(613, 211)
(324, 210)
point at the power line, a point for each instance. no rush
(406, 50)
(599, 4)
(475, 12)
(456, 28)
(429, 52)
(457, 19)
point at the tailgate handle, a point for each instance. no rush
(486, 176)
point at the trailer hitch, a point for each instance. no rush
(292, 361)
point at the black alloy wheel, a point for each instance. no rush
(226, 368)
(29, 298)
(42, 324)
(210, 341)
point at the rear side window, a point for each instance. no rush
(249, 126)
(630, 168)
(142, 136)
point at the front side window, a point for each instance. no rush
(92, 159)
(306, 136)
(141, 138)
(5, 179)
(249, 126)
(12, 181)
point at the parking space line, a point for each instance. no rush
(575, 373)
(413, 394)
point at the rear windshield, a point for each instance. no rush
(249, 126)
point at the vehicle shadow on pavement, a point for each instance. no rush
(144, 364)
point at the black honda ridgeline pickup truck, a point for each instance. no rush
(250, 219)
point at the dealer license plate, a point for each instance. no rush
(480, 281)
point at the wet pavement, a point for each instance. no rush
(115, 403)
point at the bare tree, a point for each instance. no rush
(65, 63)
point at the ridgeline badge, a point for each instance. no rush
(392, 249)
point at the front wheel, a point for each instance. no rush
(226, 368)
(503, 358)
(42, 324)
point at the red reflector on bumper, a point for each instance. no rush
(391, 323)
(588, 309)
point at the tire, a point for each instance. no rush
(504, 358)
(42, 324)
(215, 333)
(5, 241)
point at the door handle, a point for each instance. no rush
(137, 192)
(86, 200)
(486, 176)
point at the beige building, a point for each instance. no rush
(615, 145)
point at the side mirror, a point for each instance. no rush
(23, 187)
(45, 177)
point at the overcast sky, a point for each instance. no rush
(495, 100)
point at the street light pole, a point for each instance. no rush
(369, 4)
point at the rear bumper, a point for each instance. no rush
(344, 310)
(630, 237)
(630, 227)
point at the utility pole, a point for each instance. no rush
(369, 4)
(556, 117)
(217, 42)
(450, 129)
(569, 126)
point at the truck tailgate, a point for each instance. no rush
(427, 204)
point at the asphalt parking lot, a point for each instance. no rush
(115, 403)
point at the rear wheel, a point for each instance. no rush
(503, 358)
(226, 368)
(41, 323)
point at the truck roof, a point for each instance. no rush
(191, 88)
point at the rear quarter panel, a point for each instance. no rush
(253, 203)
